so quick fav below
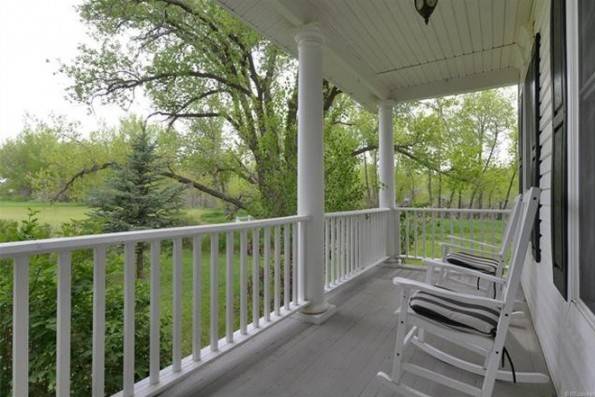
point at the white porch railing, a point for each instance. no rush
(354, 241)
(281, 287)
(264, 255)
(423, 229)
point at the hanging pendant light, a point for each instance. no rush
(425, 8)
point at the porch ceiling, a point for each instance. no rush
(381, 49)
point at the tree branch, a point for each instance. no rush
(85, 171)
(197, 185)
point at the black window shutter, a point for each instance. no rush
(559, 161)
(530, 136)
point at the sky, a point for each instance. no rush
(35, 35)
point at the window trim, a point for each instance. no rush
(573, 120)
(563, 289)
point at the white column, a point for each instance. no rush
(310, 166)
(386, 172)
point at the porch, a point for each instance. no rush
(342, 356)
(328, 269)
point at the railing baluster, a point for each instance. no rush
(154, 333)
(196, 296)
(433, 232)
(301, 285)
(358, 262)
(352, 243)
(214, 292)
(415, 216)
(294, 260)
(327, 254)
(229, 287)
(63, 325)
(333, 255)
(337, 250)
(255, 278)
(471, 230)
(407, 228)
(267, 276)
(423, 222)
(129, 281)
(20, 327)
(98, 360)
(177, 308)
(343, 248)
(277, 272)
(286, 263)
(243, 283)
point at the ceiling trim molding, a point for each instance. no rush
(461, 85)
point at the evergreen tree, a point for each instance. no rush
(137, 196)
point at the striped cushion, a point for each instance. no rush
(475, 262)
(478, 318)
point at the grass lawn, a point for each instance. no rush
(58, 213)
(53, 214)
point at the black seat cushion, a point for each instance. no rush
(472, 261)
(477, 318)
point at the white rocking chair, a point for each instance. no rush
(488, 258)
(477, 323)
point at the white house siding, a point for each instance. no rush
(566, 336)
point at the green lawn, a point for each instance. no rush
(53, 214)
(58, 213)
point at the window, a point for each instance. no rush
(586, 100)
(530, 149)
(559, 164)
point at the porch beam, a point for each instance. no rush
(310, 170)
(468, 83)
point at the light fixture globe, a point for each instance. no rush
(425, 8)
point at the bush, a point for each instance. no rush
(42, 317)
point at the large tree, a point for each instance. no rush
(195, 63)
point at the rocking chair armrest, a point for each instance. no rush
(408, 284)
(468, 240)
(446, 247)
(432, 263)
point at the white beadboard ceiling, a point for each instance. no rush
(382, 49)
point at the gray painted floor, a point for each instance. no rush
(342, 356)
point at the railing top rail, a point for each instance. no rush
(91, 241)
(356, 212)
(457, 210)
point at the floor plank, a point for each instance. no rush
(342, 356)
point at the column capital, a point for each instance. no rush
(309, 34)
(384, 103)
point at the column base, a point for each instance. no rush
(317, 318)
(392, 261)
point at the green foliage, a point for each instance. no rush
(136, 195)
(42, 317)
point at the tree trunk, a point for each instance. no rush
(460, 198)
(140, 260)
(510, 187)
(450, 199)
(439, 190)
(430, 198)
(367, 181)
(375, 174)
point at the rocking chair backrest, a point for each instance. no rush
(520, 244)
(511, 225)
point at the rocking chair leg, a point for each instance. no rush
(400, 338)
(491, 371)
